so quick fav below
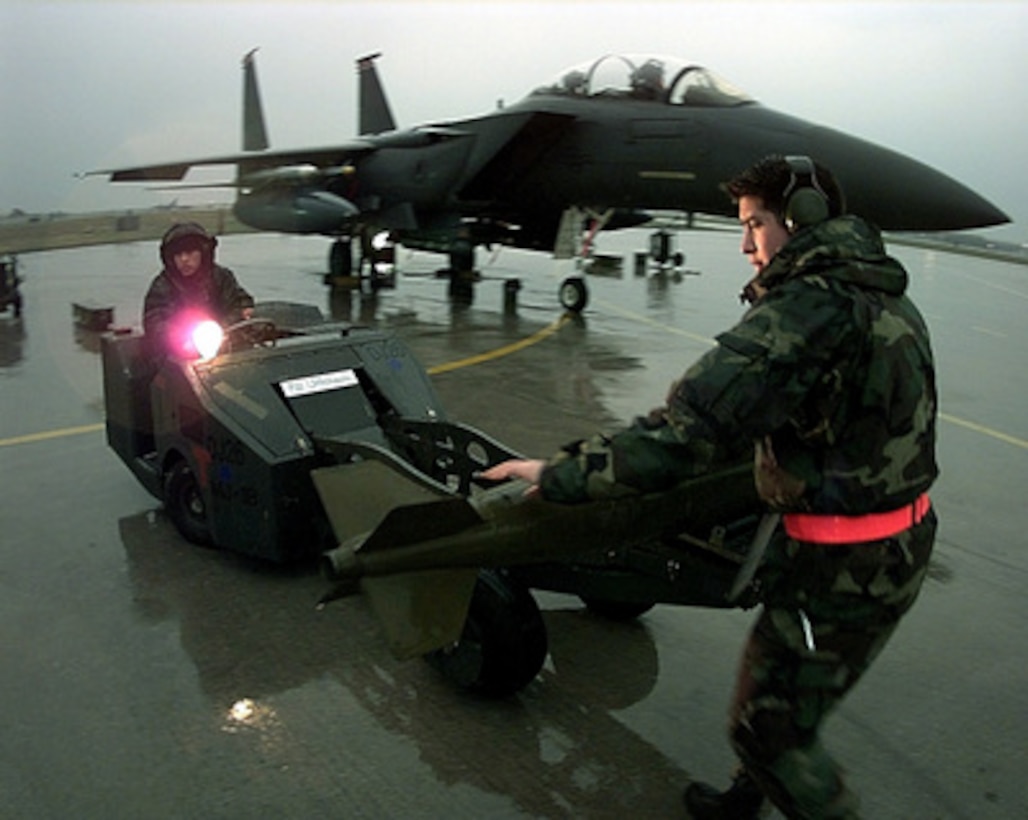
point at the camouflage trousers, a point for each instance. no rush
(828, 611)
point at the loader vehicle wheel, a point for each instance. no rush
(503, 645)
(617, 610)
(185, 505)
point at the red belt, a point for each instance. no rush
(853, 529)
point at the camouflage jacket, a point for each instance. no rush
(216, 293)
(829, 377)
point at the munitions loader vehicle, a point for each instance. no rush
(291, 439)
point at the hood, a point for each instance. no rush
(846, 248)
(184, 235)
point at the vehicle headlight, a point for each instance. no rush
(207, 337)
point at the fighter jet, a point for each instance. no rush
(606, 142)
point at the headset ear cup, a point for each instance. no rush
(805, 207)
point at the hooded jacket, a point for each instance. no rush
(212, 291)
(828, 377)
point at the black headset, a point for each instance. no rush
(806, 203)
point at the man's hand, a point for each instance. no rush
(527, 469)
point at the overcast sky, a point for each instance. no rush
(87, 85)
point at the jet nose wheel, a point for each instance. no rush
(573, 294)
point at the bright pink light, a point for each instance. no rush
(207, 338)
(195, 335)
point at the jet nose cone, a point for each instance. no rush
(899, 193)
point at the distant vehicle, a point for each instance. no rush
(10, 293)
(605, 143)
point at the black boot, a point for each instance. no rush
(741, 802)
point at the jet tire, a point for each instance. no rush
(573, 294)
(340, 259)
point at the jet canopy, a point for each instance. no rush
(664, 80)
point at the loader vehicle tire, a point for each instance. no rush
(504, 643)
(185, 505)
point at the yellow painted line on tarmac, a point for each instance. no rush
(985, 431)
(499, 352)
(46, 435)
(446, 367)
(646, 320)
(528, 341)
(984, 282)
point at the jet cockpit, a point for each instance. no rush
(665, 80)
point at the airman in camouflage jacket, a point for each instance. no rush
(829, 377)
(829, 374)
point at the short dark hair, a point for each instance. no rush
(770, 178)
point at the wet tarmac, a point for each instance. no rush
(145, 677)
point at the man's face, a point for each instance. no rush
(763, 235)
(188, 260)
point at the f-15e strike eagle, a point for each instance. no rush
(613, 139)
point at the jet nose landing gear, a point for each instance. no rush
(573, 294)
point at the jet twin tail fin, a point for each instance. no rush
(374, 113)
(255, 134)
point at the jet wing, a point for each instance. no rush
(321, 158)
(174, 171)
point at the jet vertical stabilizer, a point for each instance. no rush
(255, 134)
(374, 112)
